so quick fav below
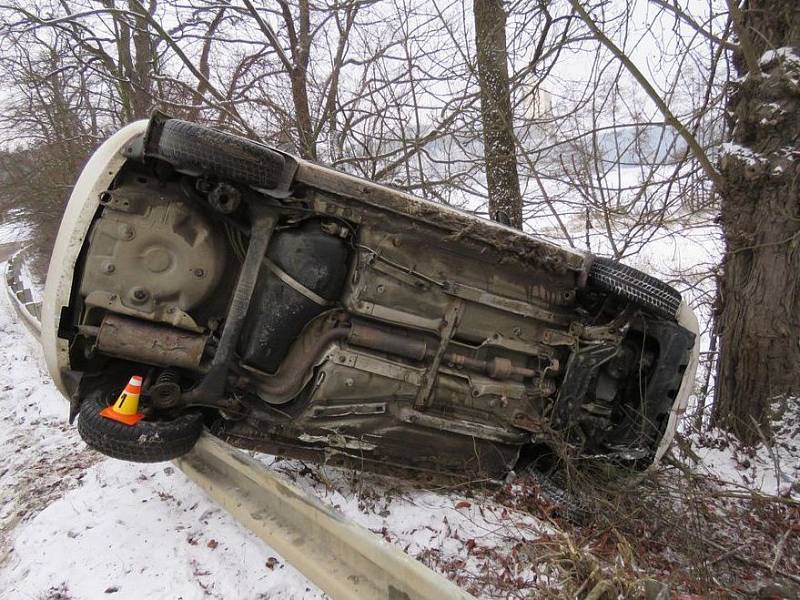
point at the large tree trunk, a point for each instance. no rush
(759, 318)
(505, 200)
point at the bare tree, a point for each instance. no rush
(50, 125)
(505, 200)
(756, 180)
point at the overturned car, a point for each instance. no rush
(291, 308)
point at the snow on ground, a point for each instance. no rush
(773, 469)
(142, 532)
(33, 434)
(75, 525)
(13, 232)
(469, 537)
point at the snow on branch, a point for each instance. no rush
(741, 153)
(787, 55)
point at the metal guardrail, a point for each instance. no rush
(21, 297)
(342, 558)
(345, 560)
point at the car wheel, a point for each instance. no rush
(196, 148)
(145, 442)
(629, 283)
(566, 504)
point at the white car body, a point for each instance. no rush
(83, 206)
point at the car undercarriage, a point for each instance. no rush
(291, 308)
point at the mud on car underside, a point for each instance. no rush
(295, 309)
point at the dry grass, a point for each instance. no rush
(672, 530)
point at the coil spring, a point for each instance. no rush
(168, 375)
(166, 391)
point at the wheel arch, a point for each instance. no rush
(95, 178)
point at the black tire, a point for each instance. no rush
(191, 147)
(145, 442)
(629, 283)
(566, 504)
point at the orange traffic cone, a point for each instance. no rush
(125, 409)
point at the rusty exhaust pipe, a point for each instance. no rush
(150, 343)
(369, 336)
(296, 369)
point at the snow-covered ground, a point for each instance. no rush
(13, 232)
(773, 469)
(75, 525)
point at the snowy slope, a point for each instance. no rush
(772, 470)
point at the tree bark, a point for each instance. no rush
(139, 64)
(759, 312)
(300, 40)
(505, 200)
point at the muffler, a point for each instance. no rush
(150, 343)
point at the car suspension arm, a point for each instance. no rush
(211, 389)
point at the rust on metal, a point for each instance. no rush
(149, 343)
(376, 338)
(296, 368)
(529, 423)
(366, 335)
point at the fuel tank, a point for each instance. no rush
(302, 275)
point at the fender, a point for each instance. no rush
(81, 208)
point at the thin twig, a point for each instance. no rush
(752, 561)
(684, 132)
(779, 550)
